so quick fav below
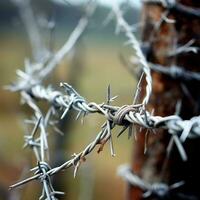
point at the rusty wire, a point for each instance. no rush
(31, 87)
(123, 116)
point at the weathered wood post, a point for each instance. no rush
(163, 38)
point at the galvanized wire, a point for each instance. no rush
(26, 13)
(176, 72)
(27, 85)
(31, 87)
(123, 26)
(159, 190)
(123, 116)
(173, 5)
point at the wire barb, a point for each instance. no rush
(159, 190)
(31, 88)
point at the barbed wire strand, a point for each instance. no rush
(175, 6)
(125, 116)
(41, 149)
(29, 20)
(130, 114)
(72, 40)
(150, 189)
(33, 75)
(124, 27)
(186, 48)
(176, 72)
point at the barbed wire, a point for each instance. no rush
(31, 87)
(39, 50)
(186, 48)
(40, 147)
(123, 26)
(35, 73)
(123, 116)
(176, 72)
(172, 5)
(119, 115)
(159, 190)
(28, 81)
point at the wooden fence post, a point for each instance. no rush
(162, 38)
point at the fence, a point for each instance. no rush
(31, 87)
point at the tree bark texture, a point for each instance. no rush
(161, 39)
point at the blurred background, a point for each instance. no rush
(90, 68)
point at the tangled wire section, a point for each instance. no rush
(159, 190)
(32, 89)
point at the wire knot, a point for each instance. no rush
(75, 97)
(119, 117)
(158, 189)
(42, 169)
(30, 141)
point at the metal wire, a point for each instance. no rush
(176, 72)
(159, 190)
(126, 114)
(123, 26)
(31, 87)
(123, 116)
(172, 5)
(27, 86)
(26, 13)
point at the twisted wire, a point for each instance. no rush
(176, 72)
(124, 27)
(177, 7)
(27, 86)
(159, 190)
(72, 40)
(39, 50)
(118, 115)
(31, 87)
(35, 73)
(123, 116)
(40, 148)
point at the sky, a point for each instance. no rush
(136, 3)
